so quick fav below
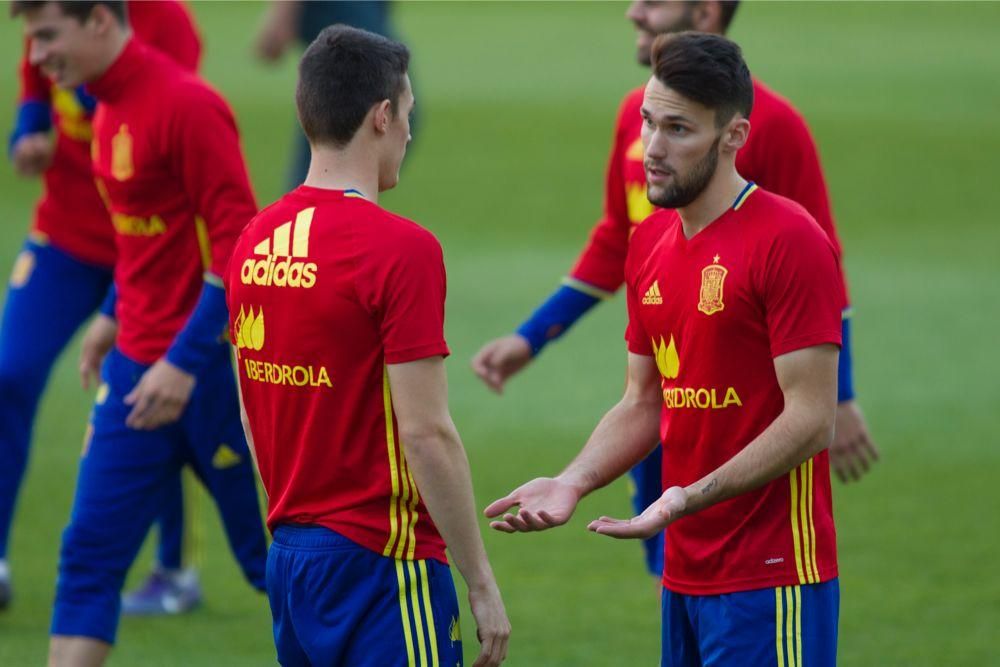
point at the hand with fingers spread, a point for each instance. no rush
(492, 625)
(543, 503)
(852, 451)
(499, 359)
(160, 396)
(97, 342)
(666, 509)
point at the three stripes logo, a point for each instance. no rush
(653, 296)
(280, 263)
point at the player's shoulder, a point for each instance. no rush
(401, 234)
(779, 218)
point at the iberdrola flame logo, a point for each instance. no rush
(250, 330)
(667, 359)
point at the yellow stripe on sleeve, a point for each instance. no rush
(404, 501)
(414, 515)
(204, 242)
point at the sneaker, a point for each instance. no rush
(164, 592)
(5, 589)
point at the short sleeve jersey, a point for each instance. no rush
(713, 311)
(324, 290)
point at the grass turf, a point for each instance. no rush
(516, 106)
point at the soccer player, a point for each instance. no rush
(62, 274)
(734, 300)
(780, 156)
(337, 312)
(167, 159)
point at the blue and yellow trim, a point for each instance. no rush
(788, 625)
(587, 288)
(357, 194)
(744, 195)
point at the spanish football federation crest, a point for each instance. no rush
(122, 167)
(713, 277)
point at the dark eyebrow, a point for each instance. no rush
(670, 118)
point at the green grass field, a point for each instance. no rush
(517, 103)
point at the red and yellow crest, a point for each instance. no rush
(713, 278)
(122, 167)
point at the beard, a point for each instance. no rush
(685, 190)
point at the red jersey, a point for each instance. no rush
(166, 153)
(780, 156)
(714, 310)
(70, 212)
(324, 289)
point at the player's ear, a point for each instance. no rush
(735, 134)
(382, 117)
(101, 19)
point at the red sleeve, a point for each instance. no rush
(206, 157)
(636, 338)
(409, 294)
(168, 27)
(602, 262)
(34, 86)
(801, 289)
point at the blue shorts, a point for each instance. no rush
(124, 476)
(337, 603)
(788, 626)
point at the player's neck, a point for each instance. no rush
(715, 200)
(333, 169)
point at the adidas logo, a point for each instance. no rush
(653, 296)
(225, 457)
(279, 266)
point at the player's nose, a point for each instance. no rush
(634, 12)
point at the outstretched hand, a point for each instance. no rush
(662, 512)
(542, 503)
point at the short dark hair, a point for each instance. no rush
(343, 73)
(708, 69)
(78, 9)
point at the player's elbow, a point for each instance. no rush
(428, 438)
(819, 432)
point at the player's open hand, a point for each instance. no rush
(492, 625)
(666, 509)
(852, 451)
(97, 342)
(32, 154)
(160, 396)
(542, 503)
(501, 358)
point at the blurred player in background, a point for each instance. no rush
(337, 312)
(780, 156)
(289, 22)
(60, 278)
(167, 160)
(734, 322)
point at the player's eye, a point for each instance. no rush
(648, 122)
(679, 130)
